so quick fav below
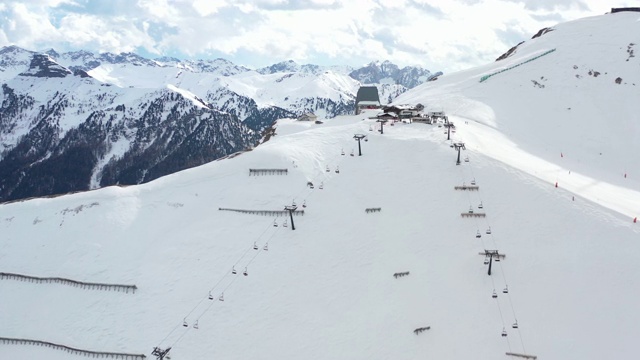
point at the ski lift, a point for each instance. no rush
(489, 230)
(210, 296)
(515, 325)
(337, 169)
(495, 294)
(497, 258)
(328, 170)
(470, 209)
(342, 153)
(233, 270)
(506, 289)
(255, 246)
(221, 298)
(184, 322)
(480, 206)
(486, 260)
(304, 204)
(195, 325)
(284, 224)
(504, 332)
(275, 223)
(478, 234)
(473, 182)
(321, 186)
(265, 247)
(245, 273)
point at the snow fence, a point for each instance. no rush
(486, 77)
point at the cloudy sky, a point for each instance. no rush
(443, 35)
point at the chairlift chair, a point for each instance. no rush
(275, 223)
(515, 325)
(489, 230)
(473, 182)
(470, 209)
(265, 247)
(195, 325)
(210, 296)
(184, 322)
(495, 294)
(478, 234)
(255, 246)
(480, 205)
(370, 128)
(504, 332)
(497, 258)
(342, 152)
(366, 138)
(233, 270)
(284, 224)
(351, 152)
(486, 260)
(245, 273)
(506, 289)
(293, 203)
(221, 298)
(466, 159)
(321, 186)
(337, 170)
(328, 169)
(304, 204)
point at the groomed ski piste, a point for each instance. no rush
(327, 289)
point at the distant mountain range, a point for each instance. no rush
(77, 120)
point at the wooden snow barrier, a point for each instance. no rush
(467, 187)
(370, 210)
(69, 282)
(533, 357)
(72, 350)
(421, 329)
(257, 172)
(400, 274)
(467, 214)
(265, 212)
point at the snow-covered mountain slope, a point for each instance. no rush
(63, 132)
(573, 111)
(327, 290)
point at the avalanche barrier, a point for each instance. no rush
(72, 350)
(486, 77)
(265, 212)
(257, 172)
(69, 282)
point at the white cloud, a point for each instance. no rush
(438, 34)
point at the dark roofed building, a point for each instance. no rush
(367, 98)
